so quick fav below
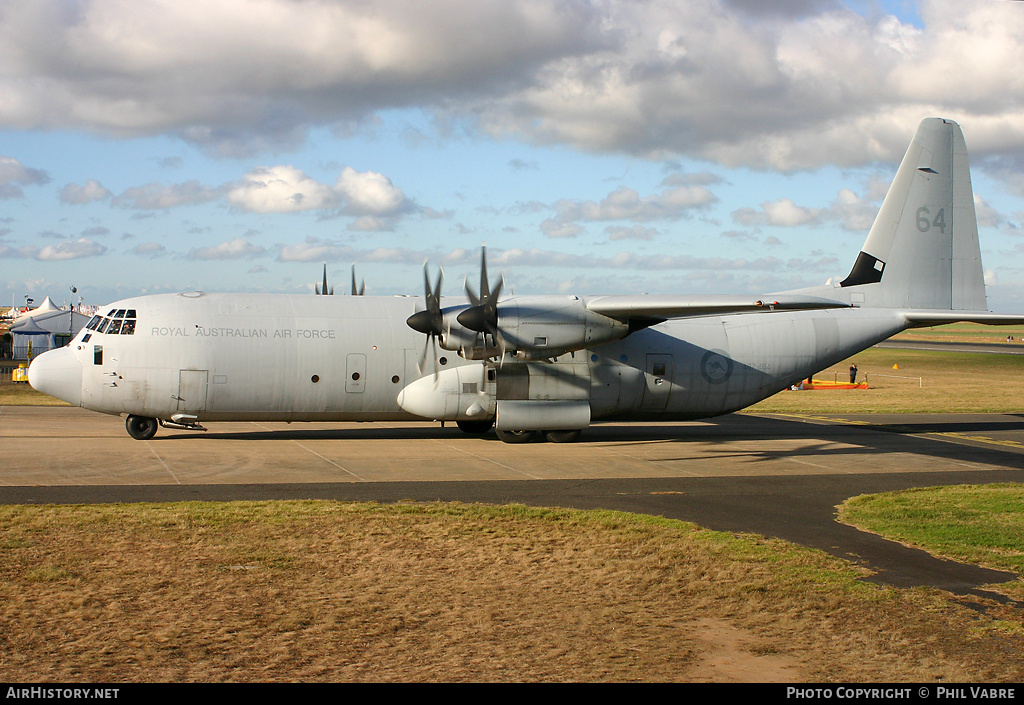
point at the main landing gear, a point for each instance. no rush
(529, 436)
(479, 428)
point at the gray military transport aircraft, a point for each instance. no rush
(531, 366)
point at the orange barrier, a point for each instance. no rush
(819, 384)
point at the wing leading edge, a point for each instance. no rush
(662, 307)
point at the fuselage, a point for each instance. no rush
(235, 357)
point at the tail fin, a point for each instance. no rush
(922, 251)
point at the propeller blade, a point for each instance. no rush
(362, 285)
(482, 316)
(429, 321)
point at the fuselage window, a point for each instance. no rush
(97, 354)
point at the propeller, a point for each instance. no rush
(362, 284)
(482, 316)
(429, 321)
(324, 291)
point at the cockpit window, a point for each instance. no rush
(121, 321)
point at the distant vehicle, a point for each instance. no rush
(531, 365)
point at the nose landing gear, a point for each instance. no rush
(141, 428)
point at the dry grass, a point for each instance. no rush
(964, 333)
(329, 591)
(23, 395)
(925, 382)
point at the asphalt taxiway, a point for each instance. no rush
(774, 475)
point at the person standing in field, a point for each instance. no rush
(853, 373)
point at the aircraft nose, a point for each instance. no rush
(59, 374)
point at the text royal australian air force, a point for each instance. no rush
(229, 332)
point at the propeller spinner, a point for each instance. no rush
(429, 321)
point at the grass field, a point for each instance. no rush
(330, 591)
(978, 524)
(914, 381)
(965, 333)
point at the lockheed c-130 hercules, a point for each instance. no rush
(531, 366)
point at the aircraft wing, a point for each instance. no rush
(661, 307)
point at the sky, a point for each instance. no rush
(705, 146)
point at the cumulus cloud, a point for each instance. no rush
(636, 232)
(238, 248)
(763, 84)
(157, 196)
(280, 189)
(370, 196)
(625, 203)
(14, 175)
(848, 209)
(80, 194)
(76, 249)
(369, 193)
(555, 228)
(783, 213)
(235, 71)
(148, 249)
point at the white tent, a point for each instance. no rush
(46, 307)
(44, 329)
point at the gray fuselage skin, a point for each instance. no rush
(217, 357)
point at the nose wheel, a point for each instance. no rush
(141, 428)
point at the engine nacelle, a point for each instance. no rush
(543, 327)
(468, 343)
(456, 394)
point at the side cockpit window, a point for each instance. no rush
(119, 322)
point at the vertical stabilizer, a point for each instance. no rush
(922, 251)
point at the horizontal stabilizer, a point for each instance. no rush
(920, 318)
